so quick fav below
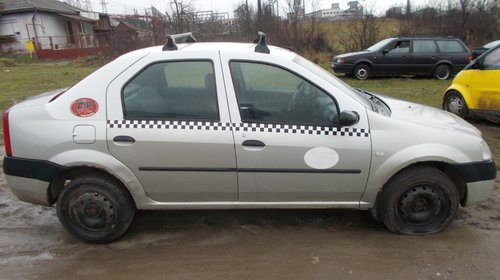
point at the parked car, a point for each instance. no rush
(231, 126)
(476, 89)
(439, 57)
(479, 51)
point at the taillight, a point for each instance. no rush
(6, 134)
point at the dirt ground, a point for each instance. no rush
(250, 244)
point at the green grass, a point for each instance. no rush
(27, 79)
(420, 90)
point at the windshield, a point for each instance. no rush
(378, 46)
(336, 82)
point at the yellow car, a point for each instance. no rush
(476, 89)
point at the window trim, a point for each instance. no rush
(292, 72)
(122, 92)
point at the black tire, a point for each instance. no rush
(442, 72)
(95, 208)
(362, 71)
(419, 200)
(455, 103)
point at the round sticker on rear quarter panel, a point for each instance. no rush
(321, 158)
(84, 107)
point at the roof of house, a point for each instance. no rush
(16, 6)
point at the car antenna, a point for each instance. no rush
(261, 43)
(172, 46)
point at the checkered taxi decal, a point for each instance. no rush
(255, 127)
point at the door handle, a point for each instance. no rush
(124, 139)
(253, 143)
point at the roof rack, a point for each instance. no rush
(171, 46)
(261, 46)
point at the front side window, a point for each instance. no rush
(492, 60)
(424, 46)
(270, 94)
(172, 90)
(399, 47)
(449, 46)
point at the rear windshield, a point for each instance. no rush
(450, 46)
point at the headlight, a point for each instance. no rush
(340, 60)
(485, 150)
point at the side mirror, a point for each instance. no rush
(348, 118)
(385, 51)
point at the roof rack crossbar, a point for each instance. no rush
(171, 46)
(261, 46)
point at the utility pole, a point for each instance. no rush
(104, 6)
(259, 13)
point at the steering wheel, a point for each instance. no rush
(298, 93)
(327, 114)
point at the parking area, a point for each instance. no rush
(250, 244)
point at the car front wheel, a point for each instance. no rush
(455, 103)
(442, 72)
(361, 71)
(95, 208)
(419, 200)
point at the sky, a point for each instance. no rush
(128, 6)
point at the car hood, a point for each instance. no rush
(40, 99)
(350, 54)
(428, 116)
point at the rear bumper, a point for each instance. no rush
(30, 179)
(29, 190)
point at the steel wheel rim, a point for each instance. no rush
(93, 212)
(442, 73)
(362, 72)
(421, 207)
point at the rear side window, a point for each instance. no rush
(450, 46)
(182, 90)
(424, 46)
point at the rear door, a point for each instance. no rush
(168, 122)
(424, 56)
(289, 147)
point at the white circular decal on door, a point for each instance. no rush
(321, 158)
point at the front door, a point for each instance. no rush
(485, 83)
(394, 59)
(289, 146)
(173, 131)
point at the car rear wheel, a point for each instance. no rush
(362, 71)
(442, 72)
(95, 208)
(420, 200)
(455, 103)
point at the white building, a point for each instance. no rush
(50, 24)
(331, 13)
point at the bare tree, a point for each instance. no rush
(180, 16)
(363, 31)
(473, 21)
(245, 18)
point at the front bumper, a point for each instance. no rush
(342, 68)
(479, 178)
